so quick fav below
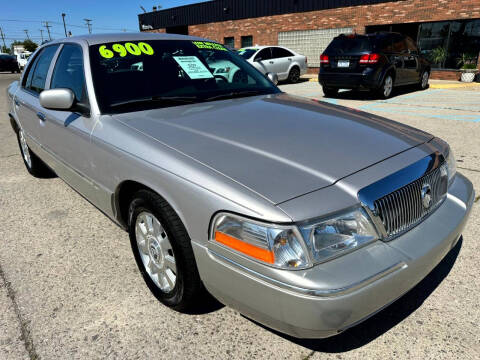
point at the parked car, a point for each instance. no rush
(8, 63)
(286, 63)
(22, 59)
(377, 62)
(305, 216)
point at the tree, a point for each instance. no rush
(30, 45)
(5, 50)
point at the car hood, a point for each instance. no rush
(278, 146)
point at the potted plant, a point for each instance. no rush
(438, 56)
(469, 71)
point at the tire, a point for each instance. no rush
(35, 166)
(423, 84)
(294, 75)
(330, 92)
(386, 90)
(166, 262)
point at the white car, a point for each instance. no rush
(284, 62)
(22, 59)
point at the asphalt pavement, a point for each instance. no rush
(70, 289)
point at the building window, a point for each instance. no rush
(229, 42)
(247, 41)
(310, 43)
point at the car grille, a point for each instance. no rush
(404, 208)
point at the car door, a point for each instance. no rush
(27, 104)
(282, 59)
(66, 134)
(400, 53)
(412, 66)
(263, 60)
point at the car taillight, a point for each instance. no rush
(324, 59)
(369, 59)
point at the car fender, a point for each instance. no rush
(385, 71)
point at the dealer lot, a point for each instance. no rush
(69, 286)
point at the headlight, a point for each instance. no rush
(451, 165)
(339, 234)
(276, 245)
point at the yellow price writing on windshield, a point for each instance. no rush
(123, 50)
(209, 45)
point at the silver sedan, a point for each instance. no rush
(305, 216)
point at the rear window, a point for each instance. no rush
(349, 45)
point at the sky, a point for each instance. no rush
(106, 15)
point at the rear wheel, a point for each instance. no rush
(163, 252)
(330, 92)
(386, 89)
(34, 165)
(294, 75)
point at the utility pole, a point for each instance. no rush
(26, 32)
(88, 22)
(48, 29)
(41, 35)
(3, 37)
(64, 26)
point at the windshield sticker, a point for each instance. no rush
(123, 49)
(209, 45)
(193, 67)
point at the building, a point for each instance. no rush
(447, 31)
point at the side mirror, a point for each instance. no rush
(57, 99)
(273, 77)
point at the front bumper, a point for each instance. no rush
(333, 296)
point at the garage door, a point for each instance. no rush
(310, 43)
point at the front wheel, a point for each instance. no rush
(424, 80)
(163, 252)
(386, 89)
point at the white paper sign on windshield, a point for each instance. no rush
(193, 67)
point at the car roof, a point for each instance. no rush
(134, 36)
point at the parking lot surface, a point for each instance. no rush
(70, 289)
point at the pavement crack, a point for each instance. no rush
(7, 156)
(24, 330)
(463, 168)
(309, 355)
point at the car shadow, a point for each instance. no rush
(383, 321)
(286, 82)
(370, 95)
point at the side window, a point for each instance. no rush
(69, 73)
(399, 45)
(37, 74)
(280, 53)
(264, 54)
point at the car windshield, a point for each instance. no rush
(246, 53)
(349, 45)
(138, 75)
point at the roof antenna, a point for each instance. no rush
(141, 7)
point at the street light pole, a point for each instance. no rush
(88, 22)
(64, 26)
(26, 32)
(41, 34)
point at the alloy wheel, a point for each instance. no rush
(24, 148)
(156, 251)
(425, 77)
(387, 86)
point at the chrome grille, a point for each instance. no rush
(404, 208)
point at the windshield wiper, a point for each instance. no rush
(236, 94)
(166, 99)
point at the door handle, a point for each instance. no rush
(271, 62)
(41, 116)
(289, 59)
(17, 103)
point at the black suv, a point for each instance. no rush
(375, 62)
(9, 63)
